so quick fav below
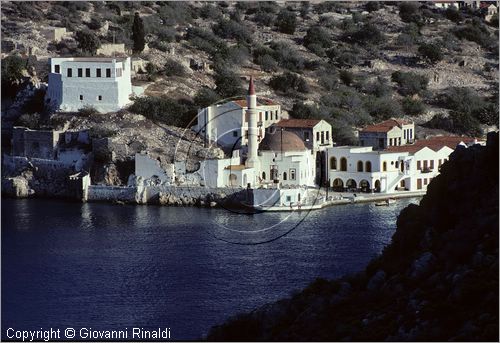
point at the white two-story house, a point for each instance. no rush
(392, 132)
(227, 123)
(76, 82)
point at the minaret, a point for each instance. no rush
(252, 157)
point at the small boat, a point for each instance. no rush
(386, 202)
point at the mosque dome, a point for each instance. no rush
(282, 141)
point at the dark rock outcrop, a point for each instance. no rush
(436, 281)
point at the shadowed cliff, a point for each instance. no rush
(437, 280)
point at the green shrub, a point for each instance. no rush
(410, 83)
(409, 12)
(367, 34)
(430, 52)
(227, 82)
(413, 107)
(466, 100)
(328, 80)
(205, 97)
(372, 6)
(302, 111)
(87, 41)
(289, 82)
(286, 56)
(264, 18)
(210, 11)
(453, 14)
(165, 110)
(286, 21)
(174, 68)
(12, 74)
(230, 29)
(87, 111)
(346, 76)
(267, 63)
(317, 39)
(382, 108)
(475, 32)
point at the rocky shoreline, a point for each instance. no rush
(436, 281)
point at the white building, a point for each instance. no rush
(399, 168)
(103, 83)
(227, 124)
(315, 133)
(392, 132)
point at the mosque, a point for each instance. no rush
(281, 162)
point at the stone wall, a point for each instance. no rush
(111, 194)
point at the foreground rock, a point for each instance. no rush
(436, 281)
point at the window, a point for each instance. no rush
(263, 175)
(384, 166)
(368, 166)
(246, 134)
(419, 165)
(399, 141)
(322, 137)
(288, 198)
(432, 164)
(260, 116)
(425, 181)
(69, 72)
(98, 72)
(404, 134)
(440, 162)
(284, 176)
(317, 136)
(276, 115)
(108, 72)
(419, 183)
(333, 163)
(80, 72)
(57, 69)
(425, 164)
(99, 97)
(81, 97)
(360, 166)
(87, 72)
(411, 134)
(235, 133)
(343, 164)
(292, 174)
(306, 136)
(390, 141)
(397, 164)
(327, 133)
(267, 115)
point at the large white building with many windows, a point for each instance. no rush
(395, 169)
(76, 82)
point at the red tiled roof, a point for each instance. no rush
(433, 143)
(385, 126)
(260, 102)
(298, 122)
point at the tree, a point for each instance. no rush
(286, 22)
(346, 76)
(138, 34)
(174, 68)
(12, 73)
(409, 83)
(409, 12)
(267, 63)
(413, 107)
(227, 82)
(453, 14)
(289, 82)
(206, 97)
(430, 52)
(87, 41)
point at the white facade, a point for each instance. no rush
(227, 124)
(103, 83)
(388, 133)
(362, 169)
(316, 134)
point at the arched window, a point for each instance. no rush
(368, 166)
(360, 166)
(284, 176)
(384, 166)
(233, 179)
(333, 163)
(343, 164)
(263, 175)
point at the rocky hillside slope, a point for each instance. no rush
(436, 281)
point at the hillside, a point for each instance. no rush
(436, 281)
(351, 63)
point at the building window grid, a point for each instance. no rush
(87, 72)
(108, 72)
(57, 69)
(80, 72)
(69, 72)
(98, 72)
